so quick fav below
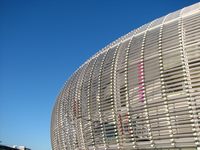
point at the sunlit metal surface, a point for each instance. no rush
(140, 92)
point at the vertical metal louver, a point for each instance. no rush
(140, 92)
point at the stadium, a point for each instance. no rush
(142, 91)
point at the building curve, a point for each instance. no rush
(142, 91)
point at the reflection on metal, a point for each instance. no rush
(140, 92)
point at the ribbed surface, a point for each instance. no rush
(140, 92)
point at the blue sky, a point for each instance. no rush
(42, 42)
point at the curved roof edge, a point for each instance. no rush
(186, 11)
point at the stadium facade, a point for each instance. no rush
(140, 92)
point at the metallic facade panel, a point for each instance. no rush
(140, 92)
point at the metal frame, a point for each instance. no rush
(142, 91)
